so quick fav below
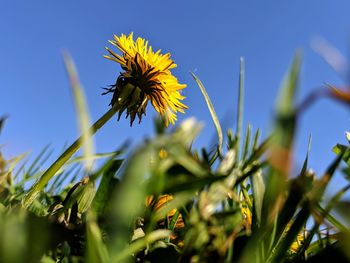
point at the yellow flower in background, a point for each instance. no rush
(161, 202)
(146, 77)
(299, 239)
(247, 216)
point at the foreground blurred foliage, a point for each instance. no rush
(167, 202)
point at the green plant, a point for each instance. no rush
(169, 202)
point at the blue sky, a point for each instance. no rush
(207, 37)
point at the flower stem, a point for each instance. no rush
(64, 157)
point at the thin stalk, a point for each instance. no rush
(62, 159)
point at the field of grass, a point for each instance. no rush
(169, 202)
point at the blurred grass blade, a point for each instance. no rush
(258, 194)
(133, 190)
(82, 112)
(173, 220)
(140, 243)
(2, 122)
(183, 157)
(278, 254)
(33, 168)
(331, 219)
(320, 186)
(96, 250)
(347, 136)
(240, 107)
(286, 119)
(256, 140)
(298, 187)
(107, 185)
(96, 156)
(258, 152)
(212, 112)
(316, 194)
(280, 158)
(180, 184)
(285, 101)
(62, 159)
(340, 148)
(177, 201)
(246, 142)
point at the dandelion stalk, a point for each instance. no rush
(146, 77)
(65, 156)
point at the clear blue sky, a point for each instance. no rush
(207, 37)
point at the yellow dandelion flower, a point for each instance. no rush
(146, 77)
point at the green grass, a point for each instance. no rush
(238, 203)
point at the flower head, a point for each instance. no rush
(146, 76)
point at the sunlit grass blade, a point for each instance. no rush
(82, 112)
(35, 165)
(239, 121)
(283, 137)
(212, 112)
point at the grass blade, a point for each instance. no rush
(82, 112)
(62, 159)
(240, 106)
(96, 250)
(212, 112)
